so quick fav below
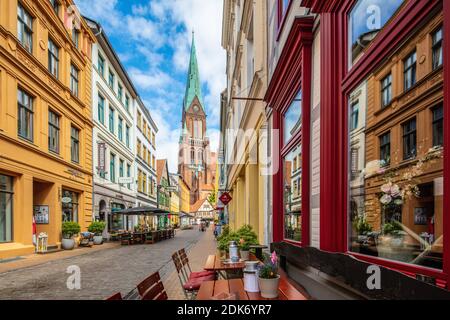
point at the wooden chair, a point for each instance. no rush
(149, 238)
(185, 263)
(117, 296)
(152, 288)
(125, 239)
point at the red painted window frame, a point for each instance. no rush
(336, 83)
(293, 73)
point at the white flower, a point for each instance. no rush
(395, 190)
(386, 188)
(386, 199)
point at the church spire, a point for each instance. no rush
(193, 86)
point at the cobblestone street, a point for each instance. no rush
(108, 271)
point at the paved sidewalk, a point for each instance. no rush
(197, 255)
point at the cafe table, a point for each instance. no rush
(210, 290)
(226, 270)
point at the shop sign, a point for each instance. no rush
(41, 214)
(225, 198)
(125, 180)
(101, 157)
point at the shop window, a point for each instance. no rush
(292, 119)
(116, 221)
(70, 206)
(75, 145)
(437, 49)
(74, 80)
(291, 199)
(101, 109)
(25, 115)
(6, 207)
(366, 20)
(385, 149)
(410, 139)
(24, 28)
(53, 131)
(386, 91)
(409, 73)
(438, 126)
(53, 58)
(396, 208)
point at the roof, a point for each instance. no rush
(160, 164)
(196, 206)
(193, 85)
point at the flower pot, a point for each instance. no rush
(269, 287)
(68, 244)
(98, 240)
(245, 255)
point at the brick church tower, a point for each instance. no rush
(195, 165)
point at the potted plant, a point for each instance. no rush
(244, 249)
(97, 229)
(248, 238)
(69, 230)
(268, 278)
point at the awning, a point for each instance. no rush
(185, 215)
(142, 211)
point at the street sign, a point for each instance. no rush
(172, 189)
(225, 198)
(125, 180)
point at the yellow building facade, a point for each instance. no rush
(45, 122)
(185, 196)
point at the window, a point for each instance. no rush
(70, 208)
(139, 120)
(385, 149)
(127, 103)
(139, 180)
(138, 147)
(355, 115)
(101, 65)
(144, 183)
(75, 36)
(437, 49)
(154, 139)
(192, 156)
(74, 80)
(55, 5)
(292, 200)
(144, 129)
(409, 73)
(6, 207)
(53, 58)
(75, 145)
(120, 129)
(24, 28)
(25, 115)
(111, 120)
(127, 136)
(129, 174)
(355, 163)
(112, 168)
(121, 168)
(120, 93)
(101, 109)
(111, 79)
(386, 91)
(153, 162)
(53, 131)
(292, 119)
(144, 154)
(365, 21)
(438, 126)
(409, 140)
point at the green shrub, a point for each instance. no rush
(247, 237)
(362, 226)
(70, 229)
(97, 227)
(392, 228)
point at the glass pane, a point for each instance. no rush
(396, 205)
(292, 195)
(292, 118)
(366, 19)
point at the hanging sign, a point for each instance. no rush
(225, 198)
(101, 157)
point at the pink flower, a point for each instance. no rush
(274, 258)
(386, 188)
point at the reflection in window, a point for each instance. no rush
(6, 206)
(396, 208)
(438, 126)
(366, 19)
(355, 115)
(409, 73)
(292, 118)
(292, 195)
(386, 91)
(70, 207)
(437, 49)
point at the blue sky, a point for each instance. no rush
(152, 38)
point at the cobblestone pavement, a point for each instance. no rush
(103, 273)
